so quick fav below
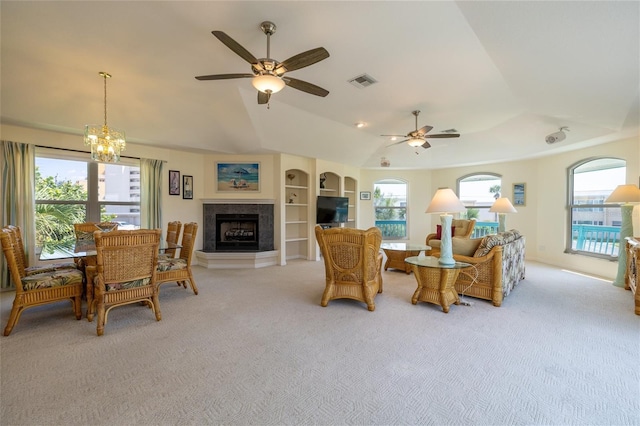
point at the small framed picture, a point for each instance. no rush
(187, 187)
(365, 195)
(519, 194)
(174, 182)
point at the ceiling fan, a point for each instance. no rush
(419, 136)
(268, 74)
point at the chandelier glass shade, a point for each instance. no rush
(106, 142)
(268, 83)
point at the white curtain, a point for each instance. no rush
(151, 193)
(18, 198)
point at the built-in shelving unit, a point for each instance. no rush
(350, 190)
(296, 214)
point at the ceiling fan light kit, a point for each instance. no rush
(268, 83)
(418, 137)
(268, 74)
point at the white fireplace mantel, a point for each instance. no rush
(237, 201)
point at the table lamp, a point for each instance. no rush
(624, 195)
(445, 201)
(502, 206)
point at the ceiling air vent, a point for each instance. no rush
(363, 81)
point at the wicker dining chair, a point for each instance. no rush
(125, 272)
(173, 234)
(21, 258)
(38, 288)
(179, 269)
(353, 263)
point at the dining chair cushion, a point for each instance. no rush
(31, 270)
(82, 236)
(127, 284)
(57, 278)
(171, 264)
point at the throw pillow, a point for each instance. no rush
(439, 231)
(465, 246)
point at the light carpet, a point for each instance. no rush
(256, 348)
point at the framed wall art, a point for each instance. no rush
(187, 187)
(365, 195)
(174, 182)
(238, 177)
(519, 194)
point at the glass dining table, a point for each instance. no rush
(84, 254)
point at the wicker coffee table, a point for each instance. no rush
(435, 281)
(397, 252)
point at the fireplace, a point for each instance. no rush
(238, 227)
(237, 232)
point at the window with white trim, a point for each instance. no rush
(593, 226)
(72, 188)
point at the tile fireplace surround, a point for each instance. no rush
(220, 259)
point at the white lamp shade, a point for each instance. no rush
(268, 83)
(445, 201)
(624, 194)
(503, 205)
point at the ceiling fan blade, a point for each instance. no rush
(424, 129)
(305, 87)
(396, 136)
(426, 145)
(397, 143)
(302, 60)
(235, 46)
(263, 98)
(444, 135)
(223, 76)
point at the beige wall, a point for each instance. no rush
(542, 220)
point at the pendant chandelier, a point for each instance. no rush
(106, 142)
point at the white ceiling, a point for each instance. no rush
(504, 74)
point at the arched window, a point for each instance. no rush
(593, 226)
(390, 206)
(478, 192)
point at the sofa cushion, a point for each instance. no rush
(499, 239)
(439, 231)
(465, 246)
(461, 227)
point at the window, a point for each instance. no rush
(390, 207)
(71, 188)
(594, 227)
(478, 192)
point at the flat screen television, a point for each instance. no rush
(332, 209)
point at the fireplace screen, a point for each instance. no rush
(236, 232)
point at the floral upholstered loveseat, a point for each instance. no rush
(497, 265)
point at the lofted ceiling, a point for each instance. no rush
(503, 74)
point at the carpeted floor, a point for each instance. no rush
(255, 347)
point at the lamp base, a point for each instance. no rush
(446, 249)
(626, 230)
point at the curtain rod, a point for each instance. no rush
(87, 152)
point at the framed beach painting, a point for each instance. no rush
(238, 177)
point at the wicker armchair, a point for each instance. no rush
(38, 288)
(463, 229)
(352, 261)
(125, 272)
(179, 269)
